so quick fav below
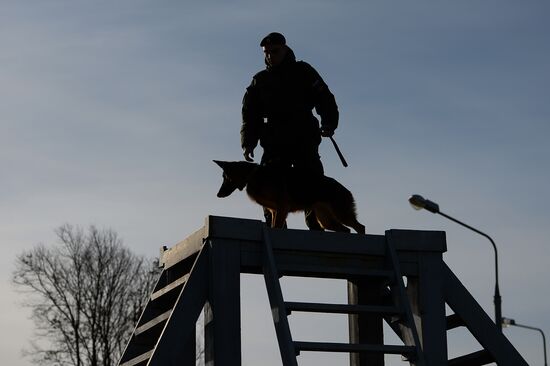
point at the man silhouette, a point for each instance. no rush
(277, 112)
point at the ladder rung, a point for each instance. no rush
(171, 286)
(332, 271)
(341, 308)
(454, 321)
(153, 322)
(478, 358)
(381, 273)
(139, 359)
(347, 347)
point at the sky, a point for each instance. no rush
(111, 113)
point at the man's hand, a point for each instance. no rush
(326, 132)
(248, 154)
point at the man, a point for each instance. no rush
(277, 112)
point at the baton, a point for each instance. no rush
(342, 159)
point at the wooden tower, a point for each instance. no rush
(203, 271)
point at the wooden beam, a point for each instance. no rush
(330, 242)
(478, 358)
(427, 299)
(223, 318)
(177, 342)
(185, 248)
(366, 329)
(478, 322)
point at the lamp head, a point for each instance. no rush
(508, 322)
(418, 202)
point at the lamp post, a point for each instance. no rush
(418, 202)
(511, 322)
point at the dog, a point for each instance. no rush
(284, 189)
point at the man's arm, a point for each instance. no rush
(252, 121)
(325, 103)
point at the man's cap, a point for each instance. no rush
(273, 38)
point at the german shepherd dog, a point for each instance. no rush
(285, 190)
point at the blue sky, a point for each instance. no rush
(111, 114)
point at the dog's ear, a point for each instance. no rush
(221, 164)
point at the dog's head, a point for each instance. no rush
(235, 176)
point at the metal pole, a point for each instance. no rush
(543, 338)
(497, 297)
(512, 322)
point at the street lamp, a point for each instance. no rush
(418, 202)
(511, 322)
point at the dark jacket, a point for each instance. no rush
(277, 107)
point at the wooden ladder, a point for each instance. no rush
(179, 287)
(399, 313)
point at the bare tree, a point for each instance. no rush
(86, 295)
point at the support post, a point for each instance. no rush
(365, 328)
(222, 315)
(428, 307)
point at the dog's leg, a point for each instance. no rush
(327, 220)
(273, 217)
(279, 219)
(336, 226)
(351, 220)
(341, 214)
(358, 227)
